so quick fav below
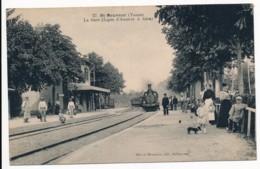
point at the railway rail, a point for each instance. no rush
(45, 146)
(58, 127)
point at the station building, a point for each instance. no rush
(86, 96)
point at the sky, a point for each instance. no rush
(137, 48)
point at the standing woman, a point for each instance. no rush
(26, 110)
(208, 98)
(71, 108)
(226, 104)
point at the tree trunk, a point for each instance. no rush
(53, 100)
(66, 94)
(217, 87)
(233, 77)
(221, 78)
(205, 78)
(240, 73)
(248, 74)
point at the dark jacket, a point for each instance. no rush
(175, 100)
(165, 102)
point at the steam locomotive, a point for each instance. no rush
(149, 101)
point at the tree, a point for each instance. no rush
(107, 76)
(40, 57)
(98, 64)
(113, 78)
(217, 33)
(59, 62)
(20, 53)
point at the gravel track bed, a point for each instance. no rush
(49, 155)
(60, 127)
(31, 143)
(19, 130)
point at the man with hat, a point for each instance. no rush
(42, 107)
(165, 104)
(236, 114)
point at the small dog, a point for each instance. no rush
(189, 129)
(62, 118)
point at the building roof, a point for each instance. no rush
(86, 87)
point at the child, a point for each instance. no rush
(236, 114)
(193, 107)
(202, 117)
(62, 118)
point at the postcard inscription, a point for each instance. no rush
(118, 17)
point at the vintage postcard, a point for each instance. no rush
(131, 84)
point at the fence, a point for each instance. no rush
(249, 120)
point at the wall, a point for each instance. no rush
(34, 97)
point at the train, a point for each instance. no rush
(149, 101)
(137, 102)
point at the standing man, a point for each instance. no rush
(57, 107)
(71, 108)
(175, 102)
(165, 104)
(49, 107)
(42, 107)
(26, 110)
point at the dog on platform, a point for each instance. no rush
(62, 118)
(195, 130)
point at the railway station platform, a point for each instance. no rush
(164, 139)
(18, 122)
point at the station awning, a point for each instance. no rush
(86, 87)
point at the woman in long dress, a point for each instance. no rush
(71, 108)
(26, 110)
(226, 104)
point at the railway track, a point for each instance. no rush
(58, 127)
(31, 129)
(46, 146)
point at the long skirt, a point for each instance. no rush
(224, 113)
(207, 104)
(26, 114)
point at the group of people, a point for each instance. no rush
(169, 102)
(43, 108)
(229, 116)
(26, 110)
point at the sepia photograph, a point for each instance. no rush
(130, 84)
